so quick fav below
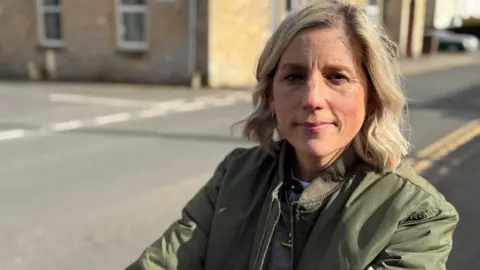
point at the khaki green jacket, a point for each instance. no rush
(372, 219)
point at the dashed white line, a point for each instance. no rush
(103, 101)
(155, 109)
(153, 112)
(113, 118)
(192, 106)
(216, 101)
(68, 125)
(171, 105)
(12, 134)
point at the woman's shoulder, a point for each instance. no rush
(248, 157)
(245, 169)
(407, 175)
(408, 190)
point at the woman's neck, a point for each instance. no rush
(308, 167)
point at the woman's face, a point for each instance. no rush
(319, 92)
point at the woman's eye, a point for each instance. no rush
(294, 77)
(337, 78)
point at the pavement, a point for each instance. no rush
(96, 175)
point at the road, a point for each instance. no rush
(88, 183)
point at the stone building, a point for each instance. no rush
(215, 43)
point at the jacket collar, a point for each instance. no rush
(325, 183)
(335, 172)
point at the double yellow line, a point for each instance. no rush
(426, 157)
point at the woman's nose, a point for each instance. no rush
(315, 93)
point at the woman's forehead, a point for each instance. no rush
(332, 45)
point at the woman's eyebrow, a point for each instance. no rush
(301, 67)
(293, 66)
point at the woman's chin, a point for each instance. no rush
(318, 148)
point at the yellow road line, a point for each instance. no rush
(436, 146)
(422, 165)
(459, 141)
(446, 145)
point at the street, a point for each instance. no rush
(87, 183)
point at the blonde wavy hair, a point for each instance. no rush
(381, 141)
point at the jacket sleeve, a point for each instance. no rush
(183, 244)
(422, 241)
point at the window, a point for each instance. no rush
(49, 22)
(288, 5)
(291, 5)
(132, 24)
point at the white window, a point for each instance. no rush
(132, 24)
(50, 22)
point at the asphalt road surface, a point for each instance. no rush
(88, 183)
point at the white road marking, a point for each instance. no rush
(154, 109)
(97, 100)
(12, 134)
(217, 101)
(68, 125)
(113, 118)
(153, 112)
(192, 106)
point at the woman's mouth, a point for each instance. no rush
(318, 126)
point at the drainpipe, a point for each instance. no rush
(274, 15)
(195, 78)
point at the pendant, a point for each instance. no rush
(289, 243)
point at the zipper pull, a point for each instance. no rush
(289, 243)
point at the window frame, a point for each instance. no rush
(129, 8)
(43, 9)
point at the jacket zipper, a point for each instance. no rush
(293, 221)
(272, 230)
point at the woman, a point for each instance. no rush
(332, 193)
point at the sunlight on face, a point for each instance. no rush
(319, 92)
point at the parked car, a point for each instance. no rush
(450, 41)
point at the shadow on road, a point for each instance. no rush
(160, 135)
(457, 177)
(9, 125)
(463, 104)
